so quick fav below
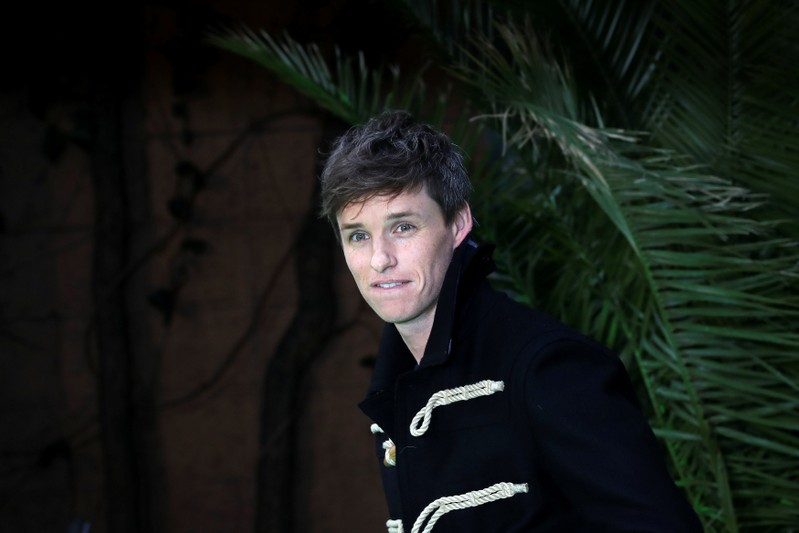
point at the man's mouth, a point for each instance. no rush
(388, 284)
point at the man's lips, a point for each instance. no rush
(389, 284)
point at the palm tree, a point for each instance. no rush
(636, 164)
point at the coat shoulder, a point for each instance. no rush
(506, 326)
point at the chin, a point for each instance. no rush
(394, 318)
(388, 315)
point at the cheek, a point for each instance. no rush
(438, 261)
(355, 263)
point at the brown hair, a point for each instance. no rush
(390, 154)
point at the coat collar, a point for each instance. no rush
(470, 264)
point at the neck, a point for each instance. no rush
(416, 334)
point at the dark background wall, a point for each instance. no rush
(181, 347)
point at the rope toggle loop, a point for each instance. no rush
(438, 508)
(447, 396)
(390, 457)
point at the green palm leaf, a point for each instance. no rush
(707, 319)
(714, 80)
(447, 25)
(354, 94)
(351, 90)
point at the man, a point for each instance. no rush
(489, 416)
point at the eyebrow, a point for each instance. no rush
(390, 218)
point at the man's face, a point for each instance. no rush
(398, 249)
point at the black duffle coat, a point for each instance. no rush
(557, 443)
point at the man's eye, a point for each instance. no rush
(404, 227)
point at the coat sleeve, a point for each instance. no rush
(597, 446)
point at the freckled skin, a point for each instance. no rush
(398, 249)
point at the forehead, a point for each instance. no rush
(414, 202)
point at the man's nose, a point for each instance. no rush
(382, 255)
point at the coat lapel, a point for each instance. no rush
(394, 359)
(470, 264)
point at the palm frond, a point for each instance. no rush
(448, 25)
(351, 90)
(613, 37)
(713, 80)
(708, 318)
(733, 101)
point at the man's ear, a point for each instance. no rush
(462, 224)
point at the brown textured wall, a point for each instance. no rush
(236, 300)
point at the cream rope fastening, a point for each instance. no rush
(394, 526)
(438, 508)
(390, 457)
(448, 396)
